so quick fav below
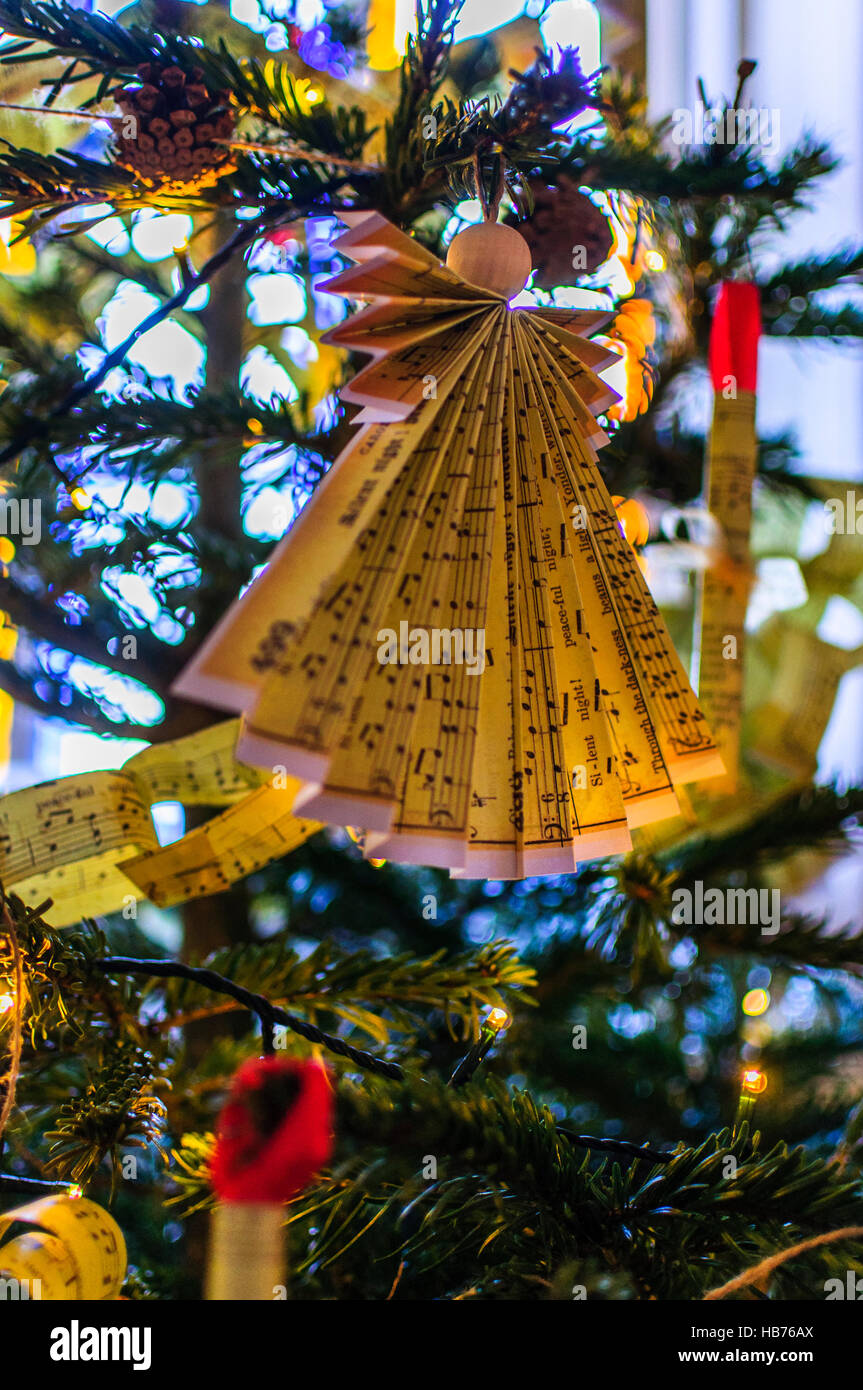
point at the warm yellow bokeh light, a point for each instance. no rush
(654, 260)
(755, 1002)
(497, 1019)
(17, 253)
(754, 1081)
(389, 22)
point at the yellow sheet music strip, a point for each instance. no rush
(565, 777)
(604, 565)
(723, 592)
(78, 1252)
(258, 830)
(302, 701)
(199, 770)
(788, 730)
(732, 457)
(64, 839)
(233, 662)
(74, 839)
(448, 575)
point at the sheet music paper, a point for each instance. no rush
(723, 593)
(208, 859)
(478, 509)
(65, 839)
(788, 729)
(89, 843)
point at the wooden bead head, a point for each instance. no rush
(492, 257)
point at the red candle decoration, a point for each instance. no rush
(734, 335)
(732, 459)
(275, 1131)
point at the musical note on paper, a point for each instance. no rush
(732, 457)
(788, 729)
(241, 840)
(64, 839)
(723, 592)
(200, 770)
(73, 840)
(565, 717)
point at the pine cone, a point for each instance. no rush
(175, 121)
(567, 234)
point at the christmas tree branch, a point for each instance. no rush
(505, 1175)
(243, 237)
(324, 979)
(809, 276)
(801, 818)
(143, 435)
(11, 966)
(758, 1275)
(457, 985)
(741, 174)
(267, 1013)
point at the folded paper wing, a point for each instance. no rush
(454, 646)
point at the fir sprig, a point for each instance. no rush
(398, 992)
(509, 1190)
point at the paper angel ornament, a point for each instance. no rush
(454, 647)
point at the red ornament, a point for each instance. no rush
(734, 335)
(275, 1131)
(279, 235)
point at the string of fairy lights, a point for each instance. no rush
(270, 1016)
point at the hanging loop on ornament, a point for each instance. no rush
(490, 254)
(490, 198)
